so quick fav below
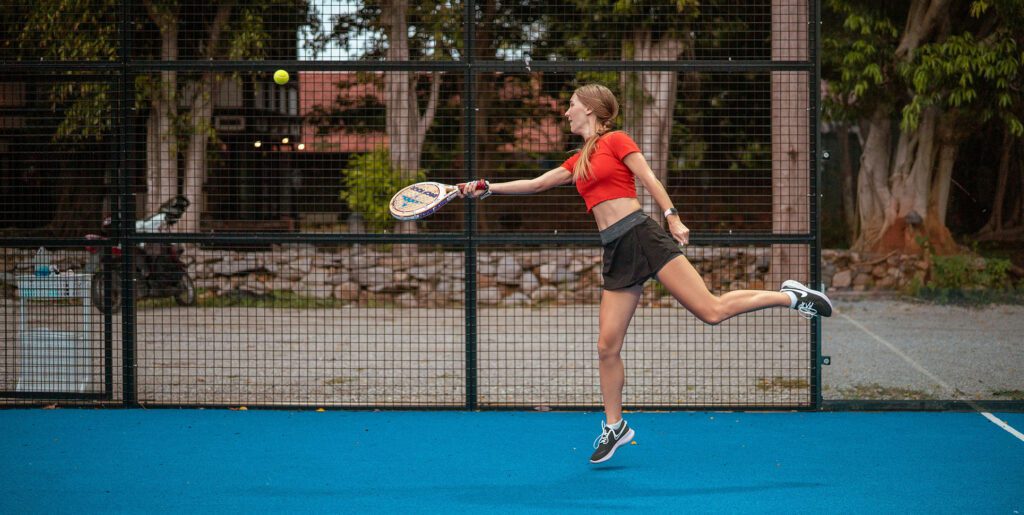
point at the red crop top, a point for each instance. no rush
(610, 178)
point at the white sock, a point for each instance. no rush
(615, 426)
(792, 299)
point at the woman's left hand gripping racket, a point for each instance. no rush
(424, 198)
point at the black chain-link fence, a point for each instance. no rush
(180, 228)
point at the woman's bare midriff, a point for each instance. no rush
(610, 211)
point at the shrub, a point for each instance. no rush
(966, 278)
(370, 181)
(964, 272)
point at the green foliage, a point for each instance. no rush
(857, 59)
(88, 30)
(623, 18)
(370, 181)
(975, 70)
(966, 278)
(969, 272)
(250, 38)
(964, 72)
(79, 31)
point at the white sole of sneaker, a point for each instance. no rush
(625, 439)
(797, 286)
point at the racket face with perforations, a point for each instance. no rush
(419, 200)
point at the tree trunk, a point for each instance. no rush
(873, 179)
(848, 197)
(938, 196)
(196, 154)
(201, 114)
(402, 121)
(162, 161)
(903, 193)
(1006, 225)
(915, 192)
(995, 221)
(1017, 218)
(485, 90)
(648, 105)
(406, 127)
(77, 192)
(923, 19)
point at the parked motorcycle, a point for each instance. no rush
(159, 270)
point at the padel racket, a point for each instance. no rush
(423, 199)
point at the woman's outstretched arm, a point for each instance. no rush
(548, 180)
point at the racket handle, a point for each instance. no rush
(480, 183)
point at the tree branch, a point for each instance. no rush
(921, 22)
(216, 29)
(155, 14)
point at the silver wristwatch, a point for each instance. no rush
(671, 211)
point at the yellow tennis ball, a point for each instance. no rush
(281, 77)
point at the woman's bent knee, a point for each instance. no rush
(711, 315)
(608, 349)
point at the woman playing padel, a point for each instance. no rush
(636, 248)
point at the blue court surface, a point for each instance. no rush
(91, 461)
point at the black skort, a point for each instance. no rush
(635, 249)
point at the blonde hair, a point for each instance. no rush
(601, 101)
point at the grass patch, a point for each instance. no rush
(336, 381)
(276, 299)
(241, 299)
(875, 391)
(782, 383)
(1012, 395)
(968, 297)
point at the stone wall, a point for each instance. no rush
(512, 278)
(562, 275)
(844, 270)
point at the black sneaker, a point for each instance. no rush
(809, 303)
(609, 440)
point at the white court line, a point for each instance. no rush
(992, 418)
(1009, 429)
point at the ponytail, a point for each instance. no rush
(581, 172)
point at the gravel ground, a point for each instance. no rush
(892, 349)
(880, 349)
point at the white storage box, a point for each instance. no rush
(52, 361)
(53, 344)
